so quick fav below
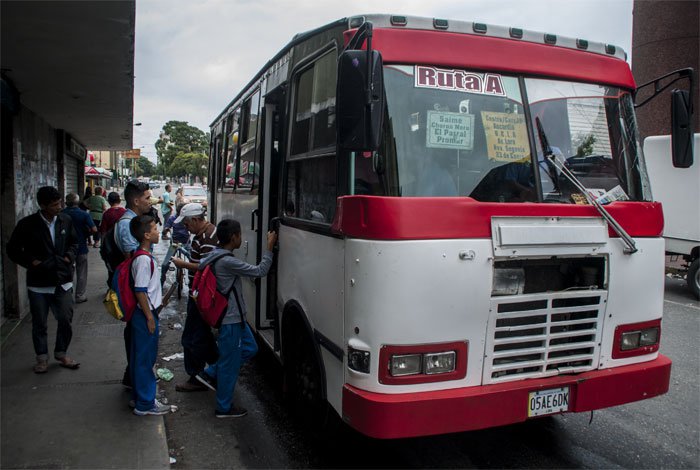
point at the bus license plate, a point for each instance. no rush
(545, 402)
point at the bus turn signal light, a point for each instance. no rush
(636, 339)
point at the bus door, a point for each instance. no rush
(266, 313)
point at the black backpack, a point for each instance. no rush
(110, 252)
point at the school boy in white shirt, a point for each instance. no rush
(144, 322)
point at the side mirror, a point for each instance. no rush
(360, 100)
(681, 129)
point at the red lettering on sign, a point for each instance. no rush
(425, 76)
(494, 85)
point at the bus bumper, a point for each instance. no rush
(391, 416)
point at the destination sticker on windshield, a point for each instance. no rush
(506, 136)
(450, 130)
(459, 80)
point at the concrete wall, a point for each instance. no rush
(32, 164)
(666, 37)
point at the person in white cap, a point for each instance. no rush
(197, 338)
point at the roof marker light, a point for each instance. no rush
(440, 24)
(357, 21)
(582, 44)
(610, 49)
(550, 38)
(480, 28)
(516, 33)
(399, 21)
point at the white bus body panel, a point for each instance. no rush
(678, 189)
(311, 272)
(418, 292)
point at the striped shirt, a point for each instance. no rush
(204, 242)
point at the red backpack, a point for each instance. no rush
(211, 303)
(123, 284)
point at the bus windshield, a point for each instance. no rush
(455, 132)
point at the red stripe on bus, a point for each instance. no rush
(392, 416)
(472, 52)
(418, 218)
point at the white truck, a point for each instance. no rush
(678, 189)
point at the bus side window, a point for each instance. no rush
(312, 166)
(228, 171)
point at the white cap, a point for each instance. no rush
(193, 209)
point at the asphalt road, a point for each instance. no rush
(659, 433)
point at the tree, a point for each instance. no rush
(584, 145)
(178, 137)
(195, 164)
(145, 167)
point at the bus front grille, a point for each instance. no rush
(541, 335)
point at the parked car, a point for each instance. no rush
(195, 194)
(153, 185)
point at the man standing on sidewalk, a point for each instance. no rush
(84, 225)
(166, 208)
(138, 202)
(46, 245)
(197, 339)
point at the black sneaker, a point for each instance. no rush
(207, 380)
(234, 412)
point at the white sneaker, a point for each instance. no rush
(157, 409)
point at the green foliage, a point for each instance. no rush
(192, 163)
(144, 167)
(584, 145)
(178, 137)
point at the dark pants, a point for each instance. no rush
(61, 304)
(144, 350)
(126, 380)
(96, 236)
(197, 341)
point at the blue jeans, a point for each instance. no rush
(198, 341)
(144, 350)
(61, 304)
(236, 345)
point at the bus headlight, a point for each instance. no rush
(636, 339)
(439, 363)
(422, 363)
(407, 364)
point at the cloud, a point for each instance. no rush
(193, 57)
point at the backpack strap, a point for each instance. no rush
(137, 253)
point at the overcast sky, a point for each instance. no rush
(194, 56)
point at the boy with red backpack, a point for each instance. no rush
(236, 342)
(144, 320)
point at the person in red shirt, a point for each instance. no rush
(113, 214)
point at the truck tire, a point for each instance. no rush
(303, 387)
(694, 278)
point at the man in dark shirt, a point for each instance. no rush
(197, 339)
(46, 244)
(84, 226)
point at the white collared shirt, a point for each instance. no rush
(52, 230)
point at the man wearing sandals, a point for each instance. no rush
(45, 243)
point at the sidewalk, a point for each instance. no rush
(76, 418)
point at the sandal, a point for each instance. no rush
(68, 363)
(41, 367)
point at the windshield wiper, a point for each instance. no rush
(630, 246)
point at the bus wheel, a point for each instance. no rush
(694, 278)
(303, 383)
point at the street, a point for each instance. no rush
(659, 433)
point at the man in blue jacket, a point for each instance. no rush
(84, 227)
(45, 243)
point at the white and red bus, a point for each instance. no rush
(445, 262)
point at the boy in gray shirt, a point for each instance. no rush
(236, 342)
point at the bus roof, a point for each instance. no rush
(399, 22)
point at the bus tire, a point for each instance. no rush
(694, 278)
(303, 386)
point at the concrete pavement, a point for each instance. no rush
(75, 418)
